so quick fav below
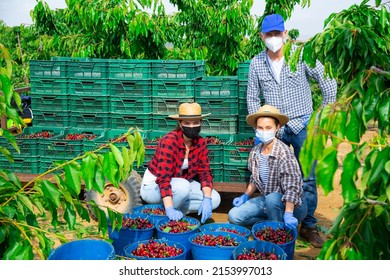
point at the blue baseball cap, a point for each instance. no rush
(272, 22)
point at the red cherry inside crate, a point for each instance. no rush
(136, 223)
(277, 236)
(154, 249)
(177, 226)
(253, 255)
(215, 240)
(43, 134)
(79, 136)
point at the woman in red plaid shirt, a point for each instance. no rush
(179, 173)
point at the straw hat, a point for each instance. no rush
(266, 111)
(189, 111)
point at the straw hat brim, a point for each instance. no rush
(178, 117)
(252, 118)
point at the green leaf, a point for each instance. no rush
(88, 171)
(51, 192)
(350, 167)
(117, 154)
(99, 181)
(110, 168)
(73, 177)
(167, 229)
(326, 168)
(378, 166)
(70, 215)
(26, 201)
(353, 124)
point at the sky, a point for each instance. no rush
(309, 21)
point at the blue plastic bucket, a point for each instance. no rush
(201, 252)
(154, 218)
(288, 247)
(129, 250)
(259, 246)
(237, 229)
(84, 249)
(182, 237)
(125, 236)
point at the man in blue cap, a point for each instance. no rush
(272, 79)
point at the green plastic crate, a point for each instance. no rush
(163, 123)
(131, 104)
(49, 86)
(215, 154)
(125, 121)
(243, 127)
(88, 87)
(173, 89)
(242, 87)
(44, 101)
(139, 88)
(216, 87)
(237, 152)
(219, 125)
(178, 69)
(88, 68)
(61, 147)
(218, 106)
(90, 120)
(168, 106)
(129, 69)
(235, 174)
(21, 164)
(89, 102)
(243, 70)
(217, 172)
(48, 69)
(51, 118)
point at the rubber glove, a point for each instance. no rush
(173, 214)
(290, 221)
(205, 209)
(240, 200)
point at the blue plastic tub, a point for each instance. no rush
(259, 246)
(182, 238)
(237, 229)
(129, 250)
(288, 247)
(154, 218)
(120, 239)
(202, 252)
(84, 249)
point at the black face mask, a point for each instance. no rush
(190, 132)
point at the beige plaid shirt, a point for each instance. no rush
(284, 173)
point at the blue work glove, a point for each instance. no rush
(205, 209)
(240, 200)
(290, 221)
(173, 214)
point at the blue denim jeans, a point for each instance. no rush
(261, 208)
(310, 196)
(187, 196)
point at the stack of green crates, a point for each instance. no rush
(130, 88)
(173, 83)
(50, 91)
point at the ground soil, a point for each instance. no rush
(328, 207)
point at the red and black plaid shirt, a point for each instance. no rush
(168, 159)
